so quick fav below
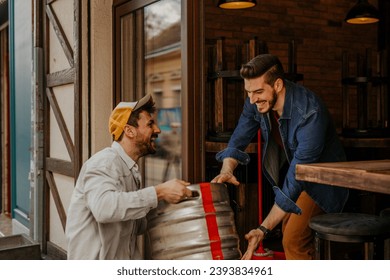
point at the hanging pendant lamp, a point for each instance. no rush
(362, 13)
(236, 4)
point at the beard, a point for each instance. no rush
(147, 148)
(271, 103)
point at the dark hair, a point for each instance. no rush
(134, 116)
(263, 64)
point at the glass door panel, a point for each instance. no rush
(162, 51)
(148, 60)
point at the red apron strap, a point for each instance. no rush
(211, 220)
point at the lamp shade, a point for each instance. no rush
(236, 4)
(362, 13)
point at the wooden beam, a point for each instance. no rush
(60, 34)
(61, 122)
(60, 78)
(56, 197)
(60, 166)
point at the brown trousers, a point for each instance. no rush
(298, 238)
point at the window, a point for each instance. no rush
(148, 60)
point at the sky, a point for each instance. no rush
(167, 12)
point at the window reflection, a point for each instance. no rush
(163, 80)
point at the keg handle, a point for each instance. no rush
(194, 195)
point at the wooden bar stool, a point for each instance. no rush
(371, 230)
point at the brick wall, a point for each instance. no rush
(316, 26)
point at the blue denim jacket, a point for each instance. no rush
(308, 136)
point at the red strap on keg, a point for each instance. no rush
(211, 220)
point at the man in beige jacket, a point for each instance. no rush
(109, 207)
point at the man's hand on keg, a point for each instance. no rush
(226, 174)
(173, 191)
(226, 178)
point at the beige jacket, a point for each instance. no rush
(107, 210)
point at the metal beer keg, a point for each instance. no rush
(199, 228)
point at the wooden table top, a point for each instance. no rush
(373, 176)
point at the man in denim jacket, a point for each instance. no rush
(296, 128)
